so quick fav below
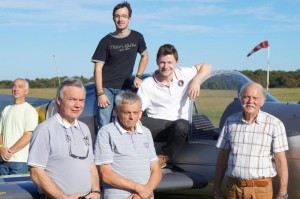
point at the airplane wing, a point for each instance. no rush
(174, 180)
(21, 186)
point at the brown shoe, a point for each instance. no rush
(162, 160)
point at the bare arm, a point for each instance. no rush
(21, 143)
(4, 152)
(156, 175)
(103, 101)
(95, 183)
(220, 172)
(142, 66)
(115, 180)
(47, 185)
(282, 171)
(203, 71)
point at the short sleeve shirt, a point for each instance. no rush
(118, 55)
(167, 102)
(251, 146)
(130, 155)
(15, 120)
(50, 147)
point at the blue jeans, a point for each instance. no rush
(104, 115)
(8, 168)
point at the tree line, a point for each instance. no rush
(277, 79)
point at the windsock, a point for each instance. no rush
(263, 44)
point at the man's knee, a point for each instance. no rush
(182, 126)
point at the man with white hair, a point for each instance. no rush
(250, 141)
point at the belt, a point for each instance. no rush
(262, 182)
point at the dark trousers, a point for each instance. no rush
(174, 133)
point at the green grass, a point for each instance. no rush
(286, 94)
(48, 93)
(211, 103)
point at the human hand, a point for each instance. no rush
(144, 191)
(219, 195)
(278, 197)
(103, 101)
(74, 196)
(134, 196)
(194, 89)
(137, 82)
(6, 154)
(93, 196)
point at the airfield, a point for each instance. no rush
(197, 158)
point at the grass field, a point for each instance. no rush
(211, 103)
(282, 94)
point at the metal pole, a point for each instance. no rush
(268, 69)
(56, 69)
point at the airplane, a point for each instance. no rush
(194, 167)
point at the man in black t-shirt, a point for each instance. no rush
(114, 60)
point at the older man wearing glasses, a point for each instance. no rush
(61, 155)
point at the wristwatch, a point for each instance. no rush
(283, 195)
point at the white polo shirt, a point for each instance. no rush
(167, 102)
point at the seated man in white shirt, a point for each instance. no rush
(165, 100)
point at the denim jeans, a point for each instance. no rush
(8, 168)
(104, 115)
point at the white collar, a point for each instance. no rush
(64, 123)
(137, 128)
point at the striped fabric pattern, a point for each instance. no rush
(252, 145)
(130, 155)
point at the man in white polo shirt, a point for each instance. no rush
(165, 99)
(125, 152)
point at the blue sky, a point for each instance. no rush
(43, 39)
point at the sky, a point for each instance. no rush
(50, 38)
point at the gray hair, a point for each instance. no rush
(257, 85)
(26, 82)
(127, 97)
(72, 81)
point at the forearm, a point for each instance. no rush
(98, 77)
(142, 64)
(21, 143)
(118, 181)
(45, 183)
(155, 177)
(203, 71)
(282, 171)
(95, 178)
(220, 170)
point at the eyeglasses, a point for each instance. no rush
(86, 142)
(121, 16)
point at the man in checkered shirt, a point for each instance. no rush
(250, 141)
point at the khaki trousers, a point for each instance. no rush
(234, 191)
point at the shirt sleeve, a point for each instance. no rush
(31, 119)
(103, 151)
(100, 54)
(223, 142)
(39, 148)
(142, 45)
(142, 92)
(280, 139)
(153, 156)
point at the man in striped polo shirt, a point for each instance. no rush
(125, 151)
(251, 142)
